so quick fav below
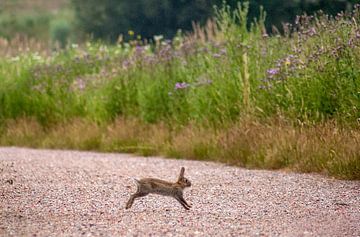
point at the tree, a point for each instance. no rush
(108, 19)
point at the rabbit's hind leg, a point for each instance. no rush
(132, 198)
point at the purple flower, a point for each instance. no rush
(216, 55)
(80, 84)
(167, 41)
(273, 71)
(150, 60)
(262, 87)
(139, 49)
(181, 85)
(312, 31)
(358, 35)
(126, 64)
(223, 51)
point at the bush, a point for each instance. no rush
(32, 25)
(60, 31)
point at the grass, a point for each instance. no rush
(325, 148)
(43, 20)
(227, 93)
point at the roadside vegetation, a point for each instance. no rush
(229, 92)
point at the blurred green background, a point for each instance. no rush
(76, 20)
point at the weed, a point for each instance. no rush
(203, 96)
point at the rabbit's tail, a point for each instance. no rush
(136, 181)
(137, 184)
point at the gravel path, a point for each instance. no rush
(63, 193)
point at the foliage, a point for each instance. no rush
(326, 148)
(60, 31)
(310, 75)
(30, 25)
(210, 80)
(280, 12)
(109, 19)
(34, 19)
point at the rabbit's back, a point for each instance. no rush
(157, 186)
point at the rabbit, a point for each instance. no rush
(161, 187)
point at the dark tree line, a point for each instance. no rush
(108, 19)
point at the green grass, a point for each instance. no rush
(26, 20)
(191, 93)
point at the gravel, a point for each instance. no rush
(63, 193)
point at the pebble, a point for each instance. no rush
(72, 193)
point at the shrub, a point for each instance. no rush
(60, 31)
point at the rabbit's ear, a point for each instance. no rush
(182, 172)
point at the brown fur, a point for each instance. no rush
(161, 187)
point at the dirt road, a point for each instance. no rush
(69, 193)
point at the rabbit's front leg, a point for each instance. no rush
(182, 202)
(132, 198)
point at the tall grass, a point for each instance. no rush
(203, 86)
(34, 19)
(326, 148)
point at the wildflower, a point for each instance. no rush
(358, 35)
(181, 85)
(216, 55)
(36, 57)
(262, 87)
(139, 49)
(103, 49)
(15, 59)
(312, 31)
(126, 64)
(287, 62)
(207, 82)
(80, 84)
(167, 42)
(223, 51)
(131, 33)
(166, 53)
(158, 37)
(150, 60)
(273, 71)
(38, 88)
(120, 39)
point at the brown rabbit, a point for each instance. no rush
(157, 186)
